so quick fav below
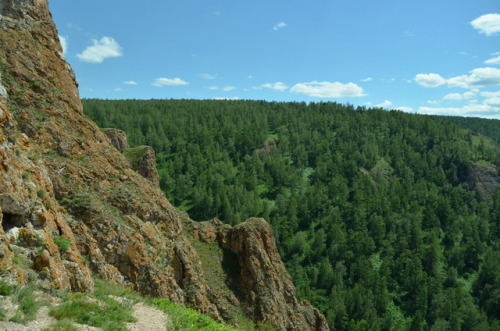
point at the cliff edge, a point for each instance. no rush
(71, 205)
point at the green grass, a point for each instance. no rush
(62, 325)
(62, 243)
(217, 265)
(220, 265)
(28, 305)
(3, 313)
(5, 288)
(185, 206)
(271, 136)
(103, 289)
(134, 155)
(109, 314)
(188, 319)
(99, 310)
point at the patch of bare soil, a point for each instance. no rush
(148, 318)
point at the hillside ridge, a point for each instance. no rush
(70, 203)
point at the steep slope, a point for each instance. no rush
(70, 203)
(380, 216)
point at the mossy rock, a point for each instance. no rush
(134, 155)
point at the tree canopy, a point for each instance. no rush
(374, 212)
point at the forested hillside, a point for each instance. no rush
(375, 213)
(485, 127)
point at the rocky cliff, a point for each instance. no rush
(141, 158)
(71, 205)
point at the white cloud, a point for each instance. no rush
(384, 104)
(328, 89)
(472, 110)
(461, 96)
(208, 76)
(64, 44)
(226, 88)
(278, 86)
(279, 26)
(494, 102)
(224, 98)
(118, 89)
(367, 79)
(430, 80)
(494, 60)
(488, 24)
(100, 50)
(130, 82)
(479, 77)
(432, 102)
(491, 94)
(169, 82)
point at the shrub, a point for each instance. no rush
(5, 288)
(28, 306)
(62, 325)
(79, 203)
(134, 155)
(111, 316)
(188, 319)
(62, 243)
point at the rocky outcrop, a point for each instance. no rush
(71, 203)
(143, 160)
(484, 179)
(30, 218)
(269, 148)
(261, 281)
(118, 138)
(77, 183)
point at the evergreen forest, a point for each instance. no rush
(385, 220)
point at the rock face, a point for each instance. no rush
(118, 138)
(143, 160)
(70, 203)
(484, 179)
(261, 278)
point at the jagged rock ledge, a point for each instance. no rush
(259, 276)
(141, 158)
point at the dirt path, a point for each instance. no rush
(148, 318)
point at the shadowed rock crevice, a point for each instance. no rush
(10, 221)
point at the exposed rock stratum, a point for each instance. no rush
(71, 205)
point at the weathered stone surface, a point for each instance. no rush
(28, 219)
(262, 281)
(484, 179)
(3, 91)
(143, 160)
(60, 176)
(118, 138)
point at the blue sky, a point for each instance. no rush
(428, 56)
